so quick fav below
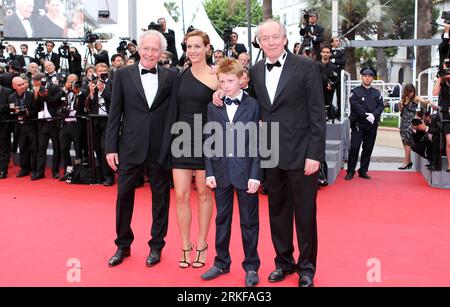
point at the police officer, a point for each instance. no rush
(366, 109)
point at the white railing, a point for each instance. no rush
(390, 99)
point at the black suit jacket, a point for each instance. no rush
(13, 28)
(4, 105)
(135, 131)
(234, 170)
(298, 108)
(238, 49)
(102, 57)
(53, 100)
(318, 32)
(55, 59)
(21, 60)
(92, 105)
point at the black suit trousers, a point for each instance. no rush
(28, 142)
(48, 131)
(292, 195)
(366, 136)
(5, 147)
(159, 184)
(99, 135)
(249, 218)
(70, 133)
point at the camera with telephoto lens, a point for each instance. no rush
(122, 49)
(333, 78)
(306, 15)
(77, 84)
(155, 26)
(416, 122)
(43, 87)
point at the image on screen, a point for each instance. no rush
(29, 19)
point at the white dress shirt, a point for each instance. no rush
(232, 109)
(150, 84)
(273, 77)
(26, 24)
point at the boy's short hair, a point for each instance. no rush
(230, 66)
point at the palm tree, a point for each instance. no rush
(173, 10)
(267, 9)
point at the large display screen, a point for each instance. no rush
(32, 19)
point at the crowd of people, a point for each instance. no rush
(134, 103)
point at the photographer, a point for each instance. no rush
(14, 70)
(75, 62)
(134, 54)
(100, 55)
(426, 138)
(5, 132)
(98, 104)
(117, 61)
(22, 108)
(73, 105)
(442, 88)
(329, 73)
(312, 33)
(47, 97)
(50, 56)
(171, 42)
(167, 60)
(234, 49)
(50, 73)
(24, 59)
(338, 58)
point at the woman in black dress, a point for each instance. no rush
(196, 87)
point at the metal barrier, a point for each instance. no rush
(386, 89)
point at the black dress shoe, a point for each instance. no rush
(306, 282)
(364, 176)
(213, 273)
(119, 256)
(23, 173)
(350, 176)
(108, 183)
(279, 275)
(154, 258)
(37, 176)
(3, 175)
(251, 279)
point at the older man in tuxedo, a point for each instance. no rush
(138, 113)
(289, 90)
(20, 24)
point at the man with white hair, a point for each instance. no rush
(134, 138)
(20, 24)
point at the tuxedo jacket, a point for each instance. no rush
(13, 27)
(298, 108)
(4, 105)
(234, 170)
(135, 131)
(53, 100)
(21, 60)
(55, 59)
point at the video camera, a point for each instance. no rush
(90, 38)
(155, 26)
(64, 50)
(39, 53)
(122, 49)
(446, 16)
(306, 15)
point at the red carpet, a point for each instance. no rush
(395, 218)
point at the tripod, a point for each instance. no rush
(89, 58)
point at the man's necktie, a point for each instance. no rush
(147, 71)
(271, 66)
(229, 101)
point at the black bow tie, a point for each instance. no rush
(146, 71)
(229, 101)
(271, 66)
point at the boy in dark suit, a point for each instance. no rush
(228, 171)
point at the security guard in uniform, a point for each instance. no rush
(366, 108)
